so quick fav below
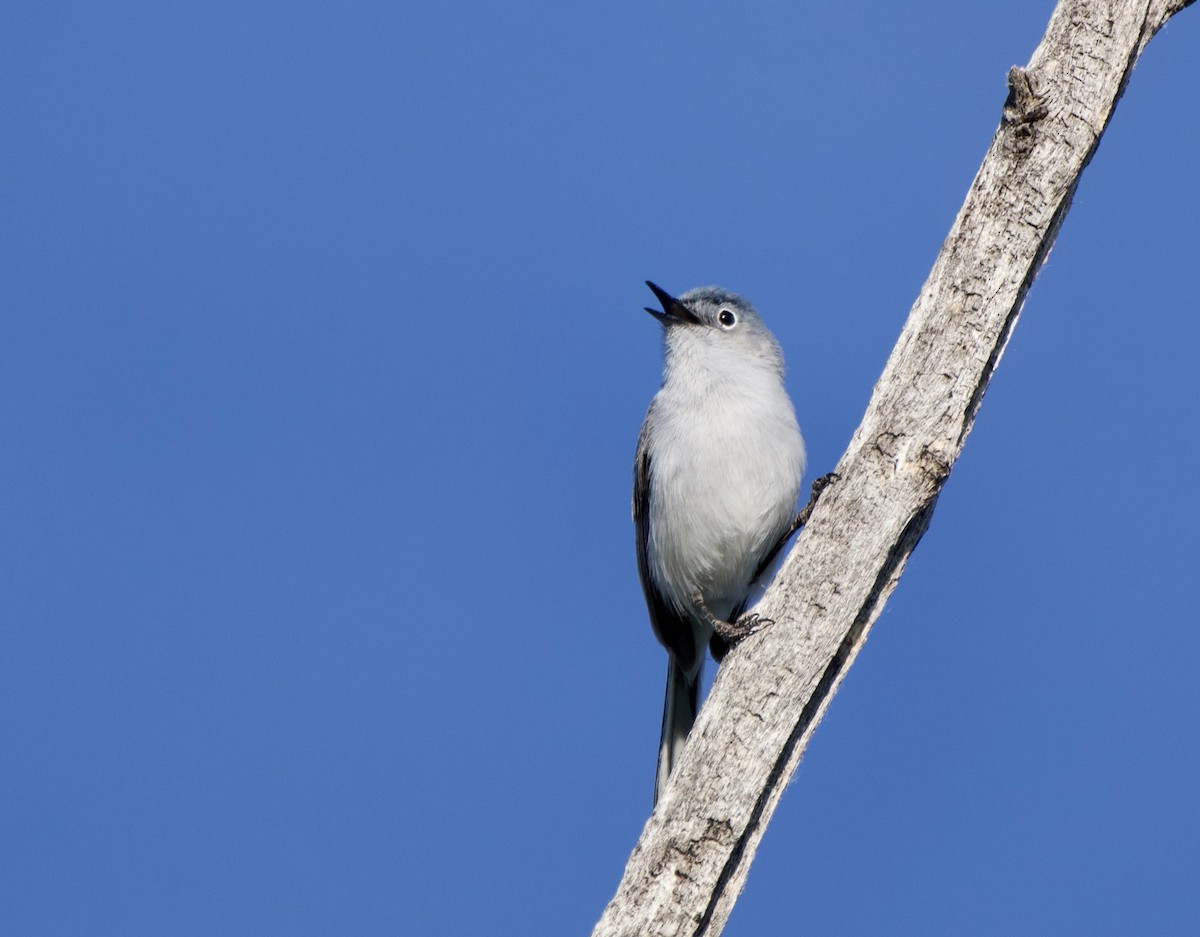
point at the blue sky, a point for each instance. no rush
(322, 366)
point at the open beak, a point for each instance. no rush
(673, 311)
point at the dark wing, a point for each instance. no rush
(673, 631)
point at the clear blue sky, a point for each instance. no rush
(322, 363)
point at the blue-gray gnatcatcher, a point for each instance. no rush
(716, 476)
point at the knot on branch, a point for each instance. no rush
(1023, 108)
(935, 464)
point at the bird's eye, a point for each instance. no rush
(727, 319)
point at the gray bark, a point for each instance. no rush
(691, 861)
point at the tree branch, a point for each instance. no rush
(692, 859)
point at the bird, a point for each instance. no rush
(717, 472)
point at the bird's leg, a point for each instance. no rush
(800, 520)
(731, 631)
(818, 487)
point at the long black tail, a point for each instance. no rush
(679, 714)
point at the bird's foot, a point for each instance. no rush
(732, 632)
(735, 631)
(818, 486)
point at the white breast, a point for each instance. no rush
(727, 461)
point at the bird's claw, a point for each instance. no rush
(735, 631)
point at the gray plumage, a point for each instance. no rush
(716, 476)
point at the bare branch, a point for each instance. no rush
(693, 856)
